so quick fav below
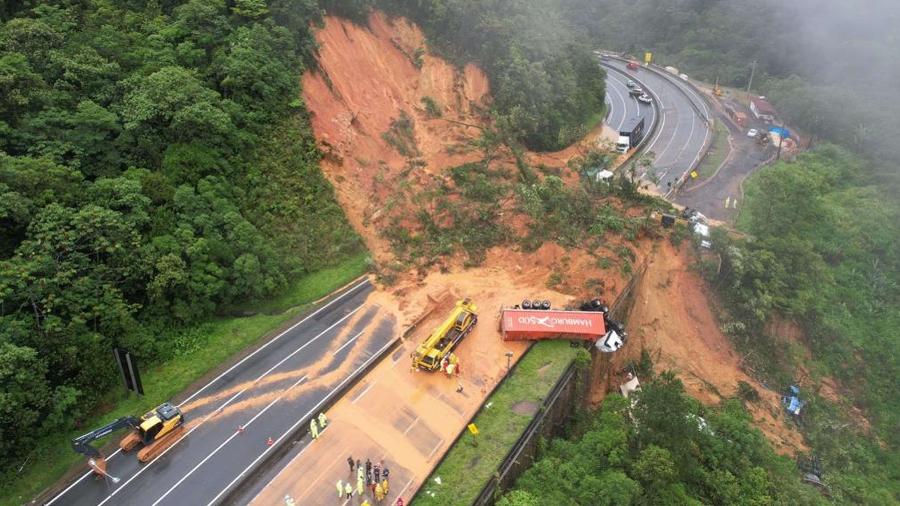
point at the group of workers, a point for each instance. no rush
(374, 477)
(315, 428)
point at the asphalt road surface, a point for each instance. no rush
(622, 105)
(682, 130)
(710, 196)
(264, 395)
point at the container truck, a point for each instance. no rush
(630, 134)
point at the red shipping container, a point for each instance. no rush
(534, 325)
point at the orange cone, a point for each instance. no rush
(269, 441)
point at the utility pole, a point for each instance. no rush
(780, 142)
(750, 83)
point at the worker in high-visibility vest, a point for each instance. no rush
(379, 492)
(340, 487)
(313, 429)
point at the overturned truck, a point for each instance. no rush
(590, 324)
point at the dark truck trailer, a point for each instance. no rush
(630, 134)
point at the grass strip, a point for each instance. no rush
(718, 150)
(218, 339)
(474, 459)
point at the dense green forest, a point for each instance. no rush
(514, 42)
(156, 168)
(824, 252)
(661, 447)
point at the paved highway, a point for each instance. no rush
(266, 394)
(682, 130)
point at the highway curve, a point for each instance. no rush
(682, 129)
(267, 393)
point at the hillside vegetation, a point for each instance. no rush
(825, 254)
(662, 449)
(514, 43)
(156, 168)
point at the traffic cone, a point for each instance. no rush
(240, 429)
(269, 441)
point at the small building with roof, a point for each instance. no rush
(762, 109)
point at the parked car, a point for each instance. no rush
(631, 84)
(645, 98)
(752, 132)
(636, 92)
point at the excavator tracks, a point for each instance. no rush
(154, 449)
(130, 441)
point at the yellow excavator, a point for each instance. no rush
(440, 343)
(156, 430)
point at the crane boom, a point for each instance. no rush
(82, 444)
(445, 337)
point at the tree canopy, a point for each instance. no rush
(156, 168)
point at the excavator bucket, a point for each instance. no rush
(156, 448)
(130, 441)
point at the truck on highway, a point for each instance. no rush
(630, 134)
(440, 343)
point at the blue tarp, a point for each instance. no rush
(783, 132)
(792, 402)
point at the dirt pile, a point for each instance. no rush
(673, 320)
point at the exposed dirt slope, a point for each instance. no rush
(673, 319)
(372, 79)
(372, 76)
(368, 78)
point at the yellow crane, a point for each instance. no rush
(440, 343)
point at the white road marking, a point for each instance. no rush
(217, 378)
(414, 422)
(662, 112)
(624, 105)
(298, 422)
(438, 445)
(364, 392)
(408, 483)
(141, 470)
(233, 435)
(345, 344)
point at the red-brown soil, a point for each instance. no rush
(673, 319)
(367, 77)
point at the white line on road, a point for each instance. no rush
(141, 470)
(624, 105)
(414, 422)
(364, 392)
(299, 421)
(408, 483)
(217, 378)
(345, 344)
(662, 112)
(438, 445)
(211, 454)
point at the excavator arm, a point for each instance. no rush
(82, 444)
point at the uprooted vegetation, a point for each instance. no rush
(481, 205)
